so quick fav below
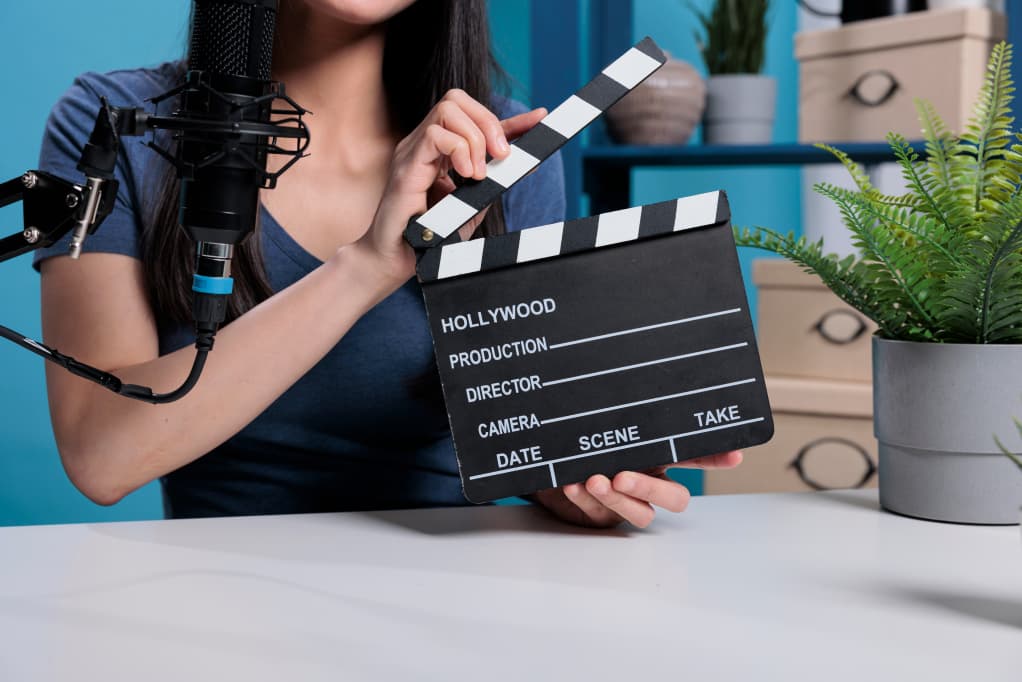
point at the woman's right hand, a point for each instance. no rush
(457, 134)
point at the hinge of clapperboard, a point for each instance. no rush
(439, 225)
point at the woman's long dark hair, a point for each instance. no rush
(431, 47)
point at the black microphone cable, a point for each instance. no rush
(106, 379)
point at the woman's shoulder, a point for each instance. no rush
(126, 87)
(68, 128)
(122, 88)
(73, 115)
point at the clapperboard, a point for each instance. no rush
(613, 342)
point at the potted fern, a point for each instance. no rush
(740, 102)
(940, 272)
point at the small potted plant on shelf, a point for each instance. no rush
(940, 272)
(740, 102)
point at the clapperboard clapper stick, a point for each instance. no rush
(613, 342)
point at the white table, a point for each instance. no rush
(758, 587)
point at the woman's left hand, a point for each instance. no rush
(630, 496)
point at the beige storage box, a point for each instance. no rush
(805, 330)
(859, 81)
(823, 440)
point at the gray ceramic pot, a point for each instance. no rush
(740, 109)
(936, 410)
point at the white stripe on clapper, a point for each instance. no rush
(540, 242)
(630, 68)
(461, 258)
(447, 215)
(571, 116)
(698, 210)
(618, 226)
(511, 168)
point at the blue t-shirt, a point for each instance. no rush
(363, 429)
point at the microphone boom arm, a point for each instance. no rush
(53, 206)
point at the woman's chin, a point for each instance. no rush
(358, 12)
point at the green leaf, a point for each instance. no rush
(984, 293)
(733, 35)
(847, 278)
(895, 268)
(988, 132)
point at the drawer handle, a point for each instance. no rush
(821, 327)
(892, 87)
(819, 12)
(798, 464)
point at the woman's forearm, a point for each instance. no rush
(111, 445)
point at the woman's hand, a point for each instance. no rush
(457, 134)
(631, 496)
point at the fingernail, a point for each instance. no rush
(625, 484)
(502, 144)
(601, 486)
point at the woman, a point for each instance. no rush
(321, 393)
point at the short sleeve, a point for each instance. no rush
(538, 198)
(67, 130)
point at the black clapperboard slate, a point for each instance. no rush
(613, 342)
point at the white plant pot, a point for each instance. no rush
(936, 409)
(740, 109)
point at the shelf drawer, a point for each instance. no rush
(804, 330)
(858, 82)
(830, 448)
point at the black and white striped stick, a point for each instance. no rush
(457, 208)
(453, 259)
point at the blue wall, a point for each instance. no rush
(509, 23)
(43, 46)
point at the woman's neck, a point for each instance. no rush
(335, 70)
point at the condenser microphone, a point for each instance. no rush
(229, 121)
(223, 165)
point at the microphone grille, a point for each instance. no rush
(233, 37)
